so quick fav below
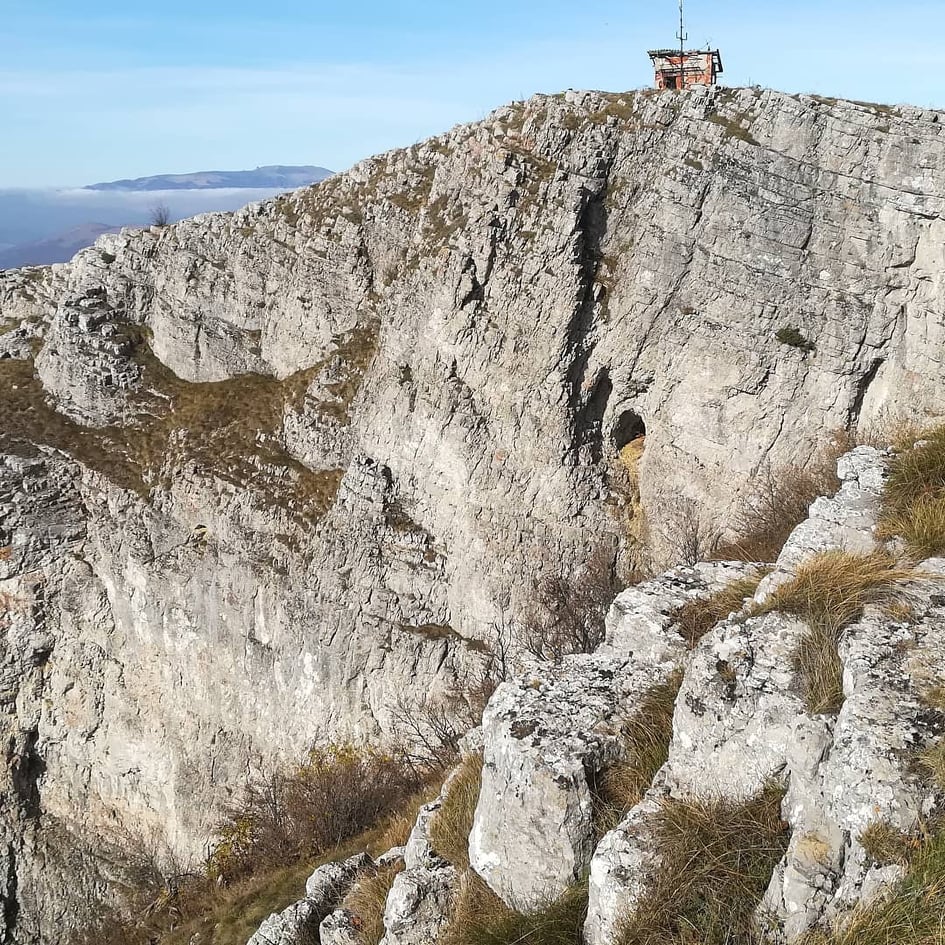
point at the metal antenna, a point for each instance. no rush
(682, 36)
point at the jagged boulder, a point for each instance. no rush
(339, 928)
(550, 732)
(324, 891)
(296, 925)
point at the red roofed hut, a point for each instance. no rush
(674, 70)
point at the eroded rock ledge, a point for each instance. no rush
(740, 723)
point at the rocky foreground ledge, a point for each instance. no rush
(740, 725)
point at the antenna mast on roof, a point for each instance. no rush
(682, 36)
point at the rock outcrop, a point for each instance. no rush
(740, 723)
(266, 474)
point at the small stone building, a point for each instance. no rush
(698, 67)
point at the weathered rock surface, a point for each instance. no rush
(741, 721)
(313, 452)
(548, 734)
(300, 923)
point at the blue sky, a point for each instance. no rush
(114, 89)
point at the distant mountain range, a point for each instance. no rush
(272, 175)
(39, 227)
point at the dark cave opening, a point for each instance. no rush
(628, 428)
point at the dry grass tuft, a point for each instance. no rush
(780, 502)
(932, 762)
(715, 861)
(449, 831)
(698, 617)
(914, 499)
(829, 592)
(886, 845)
(480, 917)
(367, 901)
(914, 914)
(646, 736)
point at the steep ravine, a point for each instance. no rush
(263, 475)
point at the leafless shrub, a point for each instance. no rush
(780, 501)
(335, 794)
(160, 214)
(430, 727)
(570, 609)
(689, 536)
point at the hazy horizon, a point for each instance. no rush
(104, 93)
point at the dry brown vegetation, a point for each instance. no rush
(914, 499)
(480, 917)
(449, 831)
(229, 429)
(914, 912)
(339, 802)
(931, 761)
(367, 901)
(780, 501)
(715, 861)
(569, 611)
(698, 617)
(829, 592)
(885, 845)
(646, 735)
(337, 793)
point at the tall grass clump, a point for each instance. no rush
(646, 735)
(914, 912)
(780, 501)
(698, 617)
(829, 592)
(914, 497)
(367, 901)
(451, 826)
(715, 859)
(481, 918)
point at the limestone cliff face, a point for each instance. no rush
(265, 474)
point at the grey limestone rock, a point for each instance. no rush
(296, 925)
(339, 928)
(392, 401)
(741, 721)
(550, 732)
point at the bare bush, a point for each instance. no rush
(689, 536)
(430, 727)
(570, 609)
(160, 215)
(337, 793)
(780, 501)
